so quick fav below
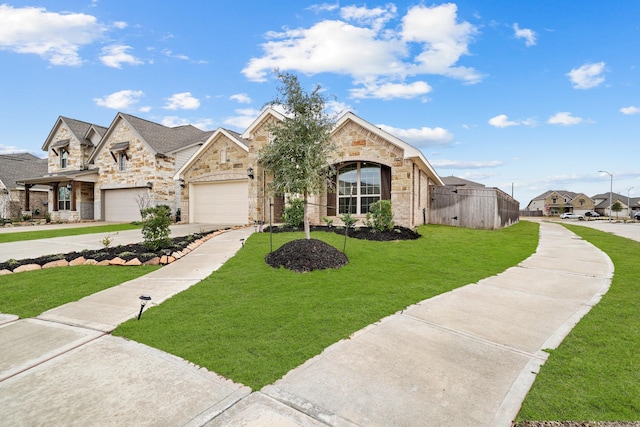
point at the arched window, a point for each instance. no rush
(359, 184)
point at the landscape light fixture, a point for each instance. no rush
(610, 192)
(250, 172)
(144, 299)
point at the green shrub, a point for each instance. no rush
(380, 216)
(348, 220)
(294, 213)
(155, 227)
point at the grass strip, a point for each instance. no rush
(30, 293)
(252, 323)
(62, 232)
(594, 375)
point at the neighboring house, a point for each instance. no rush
(13, 197)
(371, 165)
(454, 181)
(110, 173)
(628, 206)
(556, 202)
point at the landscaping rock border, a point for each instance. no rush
(128, 255)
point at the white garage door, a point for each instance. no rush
(224, 203)
(122, 205)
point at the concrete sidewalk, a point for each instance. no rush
(467, 357)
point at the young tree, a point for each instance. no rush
(299, 155)
(616, 207)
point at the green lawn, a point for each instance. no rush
(61, 232)
(594, 374)
(30, 293)
(252, 323)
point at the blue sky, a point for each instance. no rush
(526, 96)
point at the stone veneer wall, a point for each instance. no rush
(208, 168)
(143, 166)
(78, 154)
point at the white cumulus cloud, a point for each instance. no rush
(528, 35)
(242, 119)
(587, 76)
(564, 118)
(121, 100)
(242, 98)
(182, 101)
(56, 37)
(116, 55)
(502, 121)
(630, 110)
(173, 121)
(377, 48)
(422, 137)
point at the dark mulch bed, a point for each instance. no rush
(308, 255)
(365, 233)
(126, 252)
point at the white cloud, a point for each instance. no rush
(391, 90)
(56, 37)
(423, 137)
(173, 121)
(324, 7)
(121, 25)
(242, 98)
(116, 55)
(528, 35)
(375, 51)
(502, 121)
(336, 107)
(587, 76)
(465, 164)
(182, 101)
(243, 118)
(376, 17)
(564, 118)
(121, 100)
(630, 110)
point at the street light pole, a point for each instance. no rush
(610, 192)
(628, 199)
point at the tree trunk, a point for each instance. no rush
(307, 228)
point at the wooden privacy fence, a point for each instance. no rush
(472, 207)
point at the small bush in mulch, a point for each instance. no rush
(306, 255)
(365, 233)
(126, 252)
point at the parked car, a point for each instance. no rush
(571, 215)
(592, 214)
(637, 216)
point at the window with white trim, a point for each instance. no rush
(64, 158)
(359, 185)
(122, 161)
(64, 198)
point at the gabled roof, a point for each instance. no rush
(605, 202)
(568, 194)
(16, 167)
(410, 152)
(267, 112)
(161, 139)
(233, 136)
(78, 128)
